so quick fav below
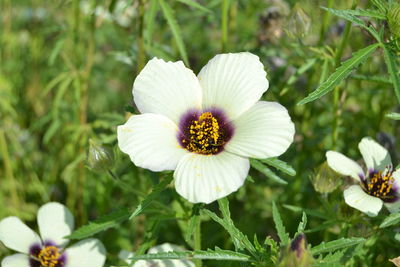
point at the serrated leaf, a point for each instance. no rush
(390, 220)
(364, 13)
(149, 198)
(193, 222)
(345, 14)
(372, 78)
(280, 165)
(302, 224)
(195, 5)
(266, 171)
(217, 254)
(393, 116)
(331, 259)
(392, 69)
(336, 244)
(341, 73)
(101, 224)
(239, 239)
(280, 228)
(176, 30)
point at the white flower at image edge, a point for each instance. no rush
(55, 222)
(376, 187)
(166, 247)
(206, 127)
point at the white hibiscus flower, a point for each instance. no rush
(378, 186)
(49, 250)
(205, 127)
(166, 247)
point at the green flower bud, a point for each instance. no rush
(99, 158)
(297, 254)
(325, 180)
(299, 22)
(393, 17)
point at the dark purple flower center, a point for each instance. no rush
(381, 184)
(204, 133)
(48, 255)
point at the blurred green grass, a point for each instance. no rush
(66, 73)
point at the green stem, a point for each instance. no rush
(224, 24)
(141, 56)
(325, 23)
(197, 242)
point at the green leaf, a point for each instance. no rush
(302, 224)
(392, 69)
(372, 78)
(101, 224)
(346, 14)
(266, 171)
(239, 239)
(341, 73)
(283, 236)
(336, 244)
(176, 31)
(280, 165)
(393, 116)
(331, 259)
(195, 5)
(364, 13)
(193, 222)
(150, 18)
(310, 212)
(154, 194)
(390, 220)
(217, 254)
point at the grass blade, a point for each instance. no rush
(392, 69)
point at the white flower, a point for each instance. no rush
(205, 127)
(49, 250)
(377, 186)
(166, 247)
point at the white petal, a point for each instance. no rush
(263, 131)
(16, 235)
(16, 260)
(167, 88)
(206, 178)
(125, 256)
(343, 165)
(376, 157)
(356, 197)
(233, 82)
(88, 252)
(151, 142)
(55, 222)
(393, 207)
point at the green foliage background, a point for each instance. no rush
(66, 73)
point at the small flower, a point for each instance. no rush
(205, 127)
(378, 186)
(297, 254)
(49, 250)
(166, 247)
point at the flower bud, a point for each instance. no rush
(393, 17)
(297, 254)
(324, 179)
(299, 22)
(99, 158)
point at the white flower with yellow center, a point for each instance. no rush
(49, 250)
(205, 127)
(378, 186)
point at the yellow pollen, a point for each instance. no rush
(49, 256)
(380, 185)
(205, 137)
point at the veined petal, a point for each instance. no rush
(233, 82)
(263, 131)
(88, 252)
(376, 157)
(343, 165)
(16, 235)
(206, 178)
(55, 222)
(355, 197)
(167, 88)
(151, 142)
(16, 260)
